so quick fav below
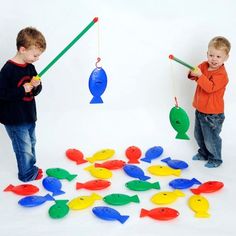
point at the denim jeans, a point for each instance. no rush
(23, 142)
(207, 134)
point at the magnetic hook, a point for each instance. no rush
(176, 102)
(96, 64)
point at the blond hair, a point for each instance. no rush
(220, 43)
(30, 36)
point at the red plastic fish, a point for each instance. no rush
(111, 164)
(97, 184)
(208, 187)
(160, 213)
(22, 189)
(133, 153)
(76, 155)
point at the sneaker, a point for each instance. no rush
(199, 157)
(211, 164)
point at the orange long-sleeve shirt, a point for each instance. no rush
(209, 94)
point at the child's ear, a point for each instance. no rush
(226, 58)
(22, 49)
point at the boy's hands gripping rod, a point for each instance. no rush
(172, 57)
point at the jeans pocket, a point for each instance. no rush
(215, 120)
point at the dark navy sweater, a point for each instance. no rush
(17, 106)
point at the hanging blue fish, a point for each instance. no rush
(97, 83)
(152, 153)
(32, 201)
(53, 185)
(135, 172)
(183, 183)
(175, 164)
(110, 214)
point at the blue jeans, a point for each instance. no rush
(23, 142)
(207, 134)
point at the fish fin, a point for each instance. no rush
(144, 212)
(195, 191)
(156, 185)
(182, 136)
(96, 100)
(71, 177)
(122, 219)
(79, 185)
(135, 198)
(202, 215)
(166, 159)
(57, 192)
(177, 172)
(9, 188)
(145, 159)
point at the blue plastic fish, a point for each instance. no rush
(183, 183)
(32, 201)
(97, 84)
(152, 153)
(108, 213)
(135, 172)
(53, 185)
(175, 164)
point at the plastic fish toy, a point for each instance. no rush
(199, 205)
(139, 185)
(32, 201)
(208, 187)
(100, 173)
(22, 189)
(109, 214)
(76, 155)
(152, 153)
(97, 184)
(59, 209)
(111, 165)
(118, 199)
(83, 202)
(180, 122)
(160, 170)
(101, 155)
(160, 213)
(166, 197)
(135, 172)
(60, 173)
(175, 164)
(53, 185)
(183, 183)
(133, 154)
(97, 84)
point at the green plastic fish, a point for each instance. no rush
(60, 173)
(180, 122)
(118, 199)
(59, 210)
(139, 185)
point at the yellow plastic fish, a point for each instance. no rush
(99, 172)
(83, 202)
(199, 205)
(160, 170)
(101, 155)
(167, 197)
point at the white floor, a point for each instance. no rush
(98, 127)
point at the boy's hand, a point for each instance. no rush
(196, 72)
(35, 81)
(28, 87)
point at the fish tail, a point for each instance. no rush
(156, 185)
(144, 212)
(133, 161)
(122, 219)
(182, 136)
(71, 177)
(195, 181)
(79, 185)
(96, 100)
(8, 188)
(144, 177)
(135, 198)
(48, 197)
(195, 191)
(146, 159)
(202, 215)
(98, 165)
(81, 161)
(90, 159)
(177, 172)
(166, 159)
(58, 192)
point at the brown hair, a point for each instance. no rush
(30, 36)
(220, 43)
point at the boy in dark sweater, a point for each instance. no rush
(18, 87)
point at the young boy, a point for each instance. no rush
(18, 87)
(211, 78)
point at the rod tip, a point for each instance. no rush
(171, 56)
(95, 19)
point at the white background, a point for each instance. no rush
(136, 38)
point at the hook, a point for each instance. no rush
(96, 64)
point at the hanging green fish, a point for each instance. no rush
(118, 199)
(58, 210)
(60, 173)
(139, 185)
(180, 122)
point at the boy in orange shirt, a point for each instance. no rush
(211, 78)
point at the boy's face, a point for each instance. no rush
(31, 54)
(216, 58)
